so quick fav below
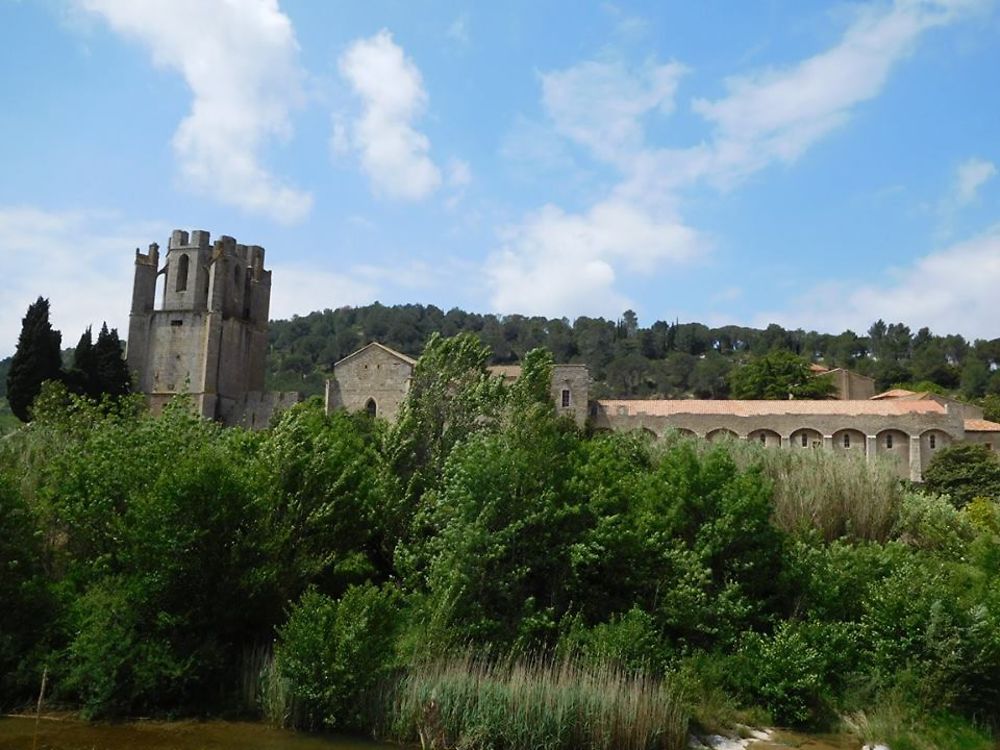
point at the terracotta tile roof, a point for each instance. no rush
(894, 393)
(818, 368)
(981, 425)
(669, 407)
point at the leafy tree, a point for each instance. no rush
(778, 375)
(991, 407)
(964, 471)
(36, 360)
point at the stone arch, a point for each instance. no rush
(647, 433)
(849, 441)
(371, 408)
(183, 268)
(720, 434)
(806, 437)
(767, 438)
(932, 441)
(894, 444)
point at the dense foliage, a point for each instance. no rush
(153, 561)
(97, 371)
(627, 360)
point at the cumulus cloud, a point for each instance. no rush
(239, 58)
(971, 175)
(81, 261)
(393, 153)
(556, 262)
(778, 113)
(600, 104)
(954, 290)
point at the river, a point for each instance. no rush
(71, 734)
(68, 734)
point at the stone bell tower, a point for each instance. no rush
(208, 336)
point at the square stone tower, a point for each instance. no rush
(209, 335)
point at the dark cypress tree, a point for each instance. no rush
(112, 371)
(36, 360)
(84, 379)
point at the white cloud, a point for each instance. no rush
(393, 153)
(971, 175)
(557, 263)
(600, 105)
(239, 57)
(776, 114)
(300, 290)
(953, 290)
(81, 261)
(458, 30)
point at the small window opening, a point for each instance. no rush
(763, 439)
(182, 274)
(236, 275)
(933, 442)
(176, 323)
(805, 440)
(372, 408)
(847, 441)
(565, 398)
(888, 441)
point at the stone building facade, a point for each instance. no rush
(903, 427)
(375, 379)
(208, 335)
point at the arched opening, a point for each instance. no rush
(371, 408)
(647, 433)
(894, 444)
(806, 437)
(181, 283)
(852, 441)
(767, 438)
(721, 434)
(931, 442)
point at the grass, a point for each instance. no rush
(901, 728)
(523, 705)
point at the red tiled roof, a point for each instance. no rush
(669, 407)
(981, 425)
(818, 368)
(894, 393)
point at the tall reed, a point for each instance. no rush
(839, 494)
(522, 705)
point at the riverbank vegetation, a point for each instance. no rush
(483, 574)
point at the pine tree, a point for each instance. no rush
(36, 360)
(112, 371)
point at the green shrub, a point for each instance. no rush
(931, 522)
(334, 655)
(794, 672)
(963, 472)
(631, 642)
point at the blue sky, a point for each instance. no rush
(814, 164)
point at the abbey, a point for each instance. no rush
(208, 334)
(904, 427)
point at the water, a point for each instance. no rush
(19, 734)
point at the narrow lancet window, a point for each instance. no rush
(182, 274)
